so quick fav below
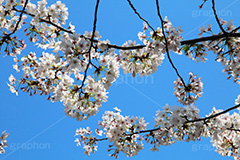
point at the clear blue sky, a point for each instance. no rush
(39, 129)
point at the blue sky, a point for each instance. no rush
(39, 129)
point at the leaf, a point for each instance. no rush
(186, 48)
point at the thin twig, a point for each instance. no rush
(235, 29)
(138, 132)
(91, 45)
(216, 17)
(130, 3)
(166, 44)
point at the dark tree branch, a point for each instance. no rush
(188, 121)
(70, 32)
(139, 132)
(126, 48)
(145, 131)
(101, 139)
(214, 115)
(209, 38)
(91, 45)
(7, 36)
(44, 20)
(233, 129)
(216, 17)
(166, 44)
(20, 18)
(134, 9)
(186, 42)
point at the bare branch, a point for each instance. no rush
(210, 38)
(216, 17)
(130, 3)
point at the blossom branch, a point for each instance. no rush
(7, 36)
(20, 17)
(214, 115)
(138, 132)
(184, 124)
(70, 32)
(101, 139)
(145, 131)
(44, 20)
(91, 45)
(185, 42)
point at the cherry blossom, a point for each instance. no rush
(119, 130)
(3, 142)
(78, 69)
(146, 60)
(188, 94)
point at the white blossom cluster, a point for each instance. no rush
(9, 16)
(62, 77)
(197, 52)
(122, 131)
(224, 133)
(188, 94)
(146, 60)
(87, 140)
(173, 125)
(3, 142)
(226, 49)
(81, 68)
